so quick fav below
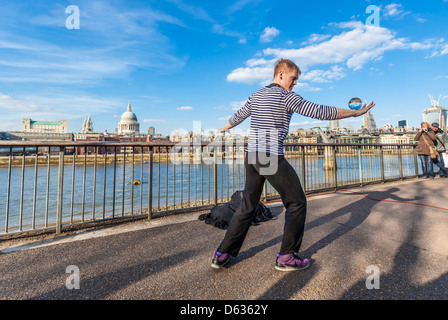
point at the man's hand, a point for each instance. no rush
(365, 108)
(227, 127)
(346, 113)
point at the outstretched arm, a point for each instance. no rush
(347, 113)
(295, 103)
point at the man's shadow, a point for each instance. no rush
(358, 212)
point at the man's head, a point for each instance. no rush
(286, 74)
(435, 125)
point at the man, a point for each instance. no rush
(441, 146)
(271, 109)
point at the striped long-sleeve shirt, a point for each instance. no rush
(271, 109)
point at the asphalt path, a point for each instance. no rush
(379, 242)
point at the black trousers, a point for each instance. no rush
(282, 176)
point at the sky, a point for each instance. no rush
(183, 62)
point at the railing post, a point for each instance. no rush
(265, 190)
(8, 190)
(94, 181)
(21, 189)
(104, 182)
(400, 163)
(360, 165)
(302, 148)
(382, 163)
(335, 171)
(60, 190)
(215, 178)
(415, 161)
(150, 172)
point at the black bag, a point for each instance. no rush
(221, 214)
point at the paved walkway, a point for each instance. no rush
(392, 235)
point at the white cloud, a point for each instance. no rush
(258, 62)
(309, 123)
(196, 12)
(220, 29)
(302, 86)
(250, 75)
(444, 50)
(53, 106)
(354, 47)
(155, 120)
(10, 106)
(269, 33)
(185, 108)
(315, 38)
(439, 46)
(394, 10)
(335, 73)
(237, 6)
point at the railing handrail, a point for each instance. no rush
(171, 143)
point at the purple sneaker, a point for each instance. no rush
(220, 259)
(290, 262)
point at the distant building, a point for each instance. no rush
(396, 139)
(335, 124)
(29, 125)
(151, 131)
(128, 124)
(87, 125)
(36, 136)
(403, 124)
(304, 136)
(436, 113)
(369, 121)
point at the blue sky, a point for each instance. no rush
(180, 61)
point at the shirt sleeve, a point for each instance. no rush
(241, 114)
(295, 103)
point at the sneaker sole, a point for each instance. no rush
(286, 269)
(216, 266)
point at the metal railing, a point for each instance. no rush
(54, 185)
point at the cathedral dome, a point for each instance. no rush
(128, 122)
(128, 115)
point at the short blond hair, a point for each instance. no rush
(285, 65)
